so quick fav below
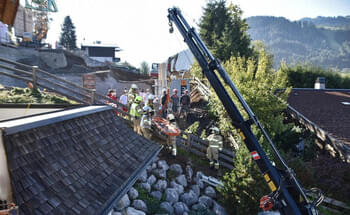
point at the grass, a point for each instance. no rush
(27, 96)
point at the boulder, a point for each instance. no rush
(143, 176)
(176, 168)
(116, 213)
(151, 180)
(146, 186)
(180, 208)
(218, 209)
(157, 195)
(206, 200)
(161, 185)
(154, 165)
(181, 179)
(167, 207)
(159, 173)
(123, 203)
(162, 164)
(199, 207)
(189, 198)
(198, 180)
(171, 195)
(133, 193)
(210, 191)
(196, 189)
(140, 205)
(133, 211)
(179, 188)
(189, 173)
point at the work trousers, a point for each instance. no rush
(171, 143)
(136, 124)
(146, 133)
(213, 156)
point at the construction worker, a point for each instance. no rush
(124, 100)
(185, 102)
(149, 103)
(164, 101)
(146, 122)
(171, 141)
(215, 145)
(132, 94)
(175, 100)
(135, 113)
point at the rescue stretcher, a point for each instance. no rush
(165, 127)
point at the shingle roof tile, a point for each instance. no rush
(77, 166)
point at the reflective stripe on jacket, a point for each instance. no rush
(215, 141)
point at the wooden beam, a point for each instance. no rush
(8, 11)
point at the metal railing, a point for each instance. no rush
(40, 78)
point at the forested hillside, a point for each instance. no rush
(321, 41)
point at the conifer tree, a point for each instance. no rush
(68, 38)
(224, 31)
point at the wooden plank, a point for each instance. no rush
(15, 76)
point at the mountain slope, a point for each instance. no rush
(302, 42)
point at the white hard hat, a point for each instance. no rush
(171, 117)
(146, 109)
(134, 86)
(151, 96)
(216, 129)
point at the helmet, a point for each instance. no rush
(215, 129)
(134, 86)
(150, 97)
(146, 109)
(174, 90)
(164, 90)
(171, 117)
(138, 99)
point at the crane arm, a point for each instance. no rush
(289, 196)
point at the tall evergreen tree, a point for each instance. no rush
(224, 31)
(68, 38)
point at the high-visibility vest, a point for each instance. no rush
(135, 110)
(215, 141)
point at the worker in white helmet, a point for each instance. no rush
(171, 141)
(146, 122)
(149, 103)
(215, 145)
(132, 94)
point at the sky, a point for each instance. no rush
(140, 27)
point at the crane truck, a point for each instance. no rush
(287, 194)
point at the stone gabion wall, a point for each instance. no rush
(179, 190)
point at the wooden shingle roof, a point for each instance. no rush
(77, 164)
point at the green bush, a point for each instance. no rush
(304, 76)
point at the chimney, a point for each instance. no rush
(320, 83)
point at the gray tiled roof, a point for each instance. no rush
(78, 166)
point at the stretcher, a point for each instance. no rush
(165, 127)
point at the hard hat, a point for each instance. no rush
(146, 109)
(215, 129)
(171, 117)
(138, 99)
(174, 90)
(150, 97)
(164, 90)
(134, 86)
